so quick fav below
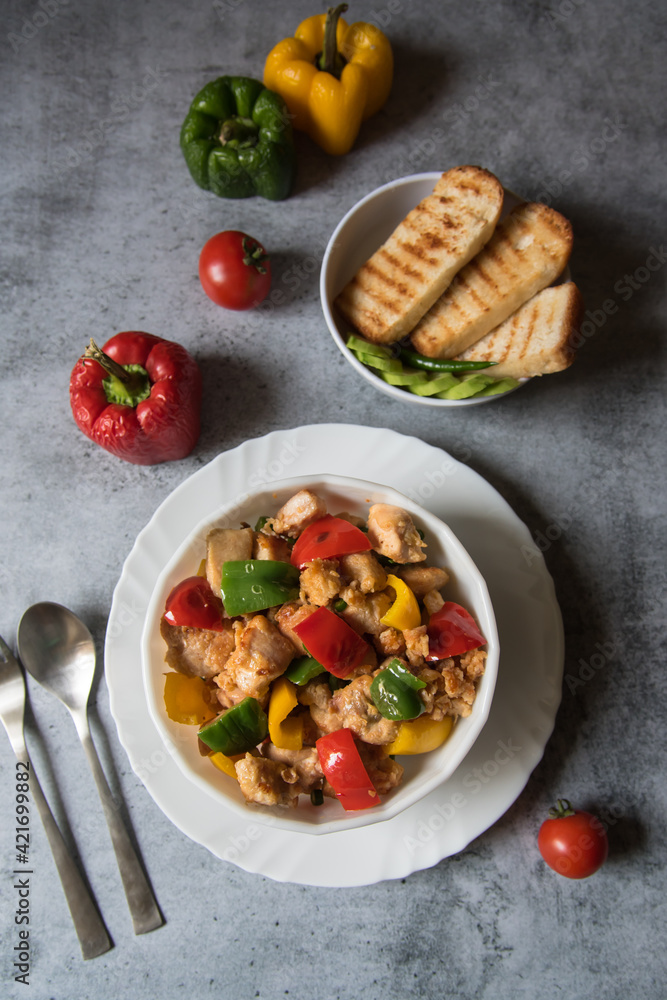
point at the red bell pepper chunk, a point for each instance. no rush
(344, 770)
(192, 603)
(332, 642)
(156, 417)
(451, 631)
(328, 538)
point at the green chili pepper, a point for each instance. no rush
(255, 584)
(303, 669)
(440, 364)
(317, 797)
(340, 605)
(237, 140)
(238, 729)
(261, 521)
(394, 693)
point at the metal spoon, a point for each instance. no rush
(57, 649)
(90, 930)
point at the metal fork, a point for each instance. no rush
(92, 933)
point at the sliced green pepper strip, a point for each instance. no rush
(468, 387)
(501, 385)
(361, 346)
(436, 384)
(441, 364)
(394, 693)
(255, 584)
(382, 364)
(238, 729)
(303, 669)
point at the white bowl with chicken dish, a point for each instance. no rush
(323, 653)
(446, 290)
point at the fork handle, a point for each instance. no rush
(88, 924)
(143, 907)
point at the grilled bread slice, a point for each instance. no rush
(391, 292)
(528, 251)
(537, 340)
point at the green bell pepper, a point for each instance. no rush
(238, 729)
(394, 693)
(255, 584)
(237, 140)
(303, 669)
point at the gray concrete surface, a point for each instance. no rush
(101, 232)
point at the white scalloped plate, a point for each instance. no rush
(527, 692)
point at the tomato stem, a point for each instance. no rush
(561, 809)
(253, 255)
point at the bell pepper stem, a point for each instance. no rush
(127, 385)
(330, 60)
(239, 132)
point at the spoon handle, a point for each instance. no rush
(143, 906)
(90, 930)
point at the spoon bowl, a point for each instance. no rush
(58, 650)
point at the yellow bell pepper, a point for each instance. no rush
(223, 763)
(332, 76)
(421, 735)
(404, 612)
(286, 733)
(185, 701)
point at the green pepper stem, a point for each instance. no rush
(238, 132)
(128, 385)
(330, 60)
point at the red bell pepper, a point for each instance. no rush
(332, 642)
(451, 631)
(328, 538)
(344, 770)
(193, 604)
(138, 398)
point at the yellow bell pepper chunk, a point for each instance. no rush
(404, 612)
(202, 568)
(185, 701)
(421, 735)
(286, 733)
(223, 763)
(331, 108)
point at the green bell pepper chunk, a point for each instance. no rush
(238, 729)
(237, 140)
(394, 693)
(303, 669)
(255, 584)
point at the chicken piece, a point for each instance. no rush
(390, 642)
(300, 510)
(363, 570)
(422, 579)
(316, 694)
(437, 702)
(261, 654)
(384, 772)
(267, 782)
(197, 652)
(459, 689)
(364, 611)
(306, 763)
(473, 664)
(267, 546)
(355, 708)
(223, 544)
(319, 582)
(392, 533)
(289, 615)
(433, 601)
(416, 644)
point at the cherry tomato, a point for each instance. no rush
(235, 270)
(572, 842)
(327, 538)
(452, 631)
(332, 642)
(193, 604)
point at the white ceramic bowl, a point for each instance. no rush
(423, 772)
(357, 236)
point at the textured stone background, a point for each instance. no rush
(101, 232)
